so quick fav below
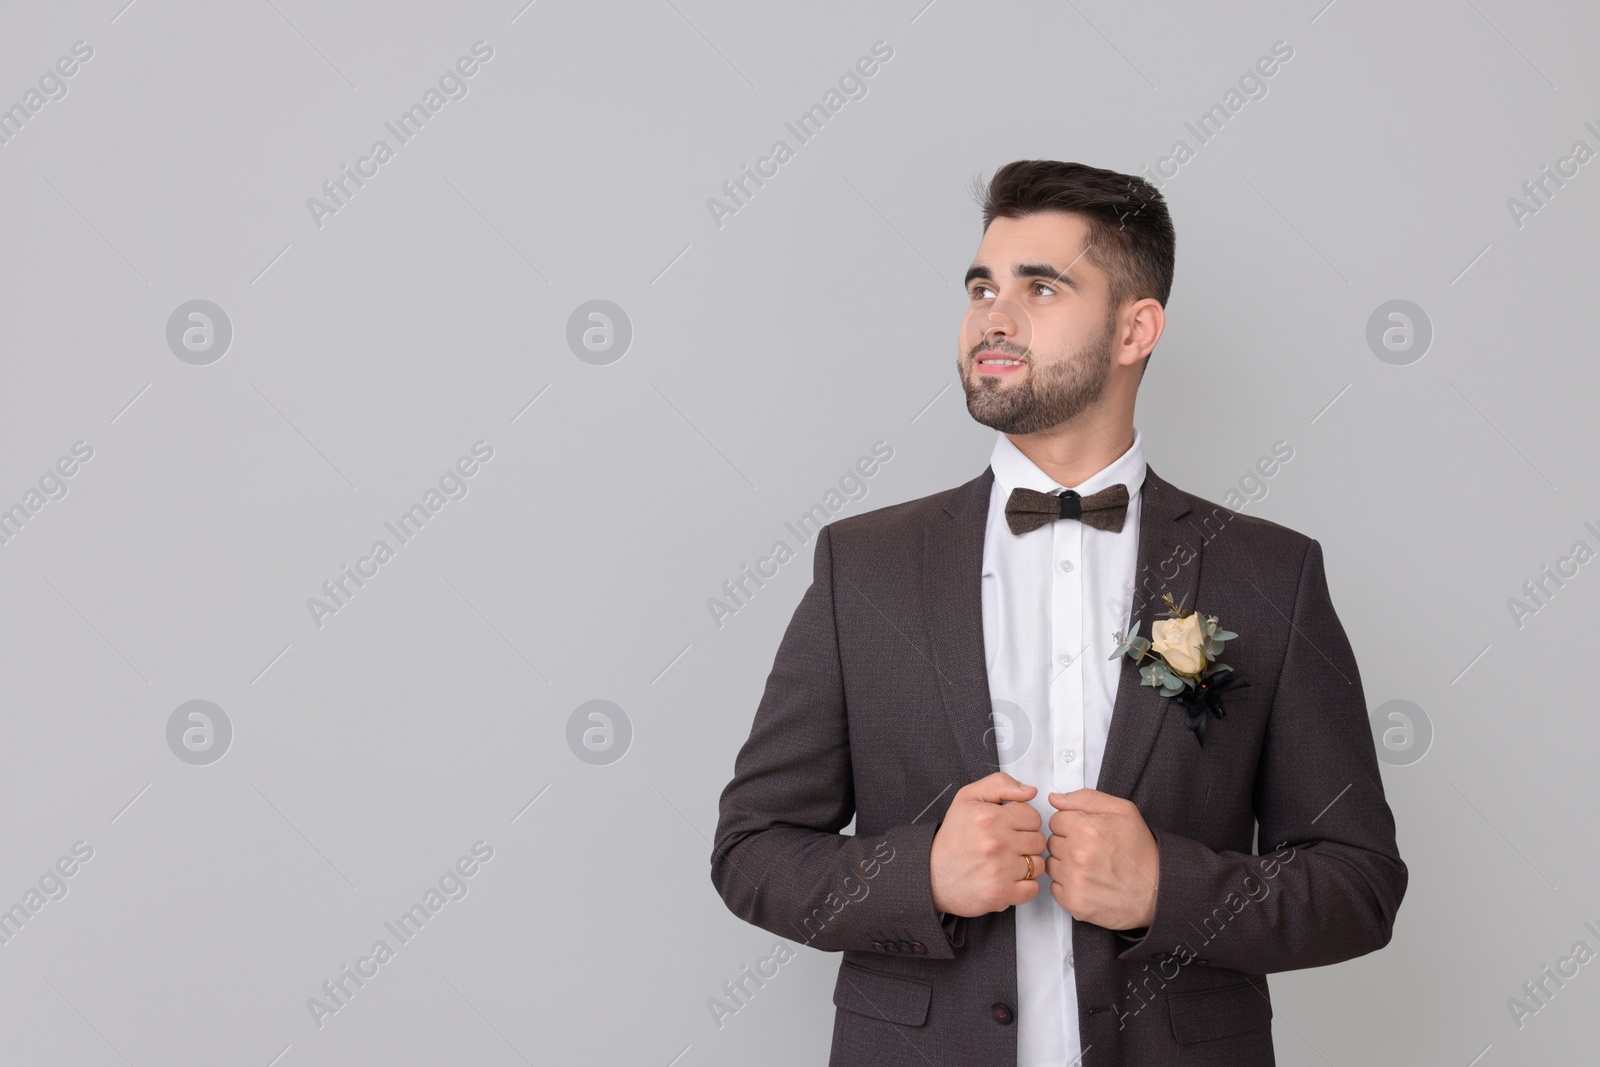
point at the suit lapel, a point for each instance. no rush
(953, 581)
(1170, 556)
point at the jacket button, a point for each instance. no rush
(1002, 1014)
(877, 946)
(919, 948)
(891, 946)
(907, 947)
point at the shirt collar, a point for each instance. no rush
(1012, 470)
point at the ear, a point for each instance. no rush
(1139, 328)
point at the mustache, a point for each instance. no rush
(977, 353)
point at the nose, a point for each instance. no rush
(1000, 321)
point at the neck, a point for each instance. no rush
(1075, 451)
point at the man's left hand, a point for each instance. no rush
(1103, 864)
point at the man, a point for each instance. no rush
(1054, 863)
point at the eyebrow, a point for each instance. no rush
(1025, 270)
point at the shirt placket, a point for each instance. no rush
(1066, 673)
(1067, 720)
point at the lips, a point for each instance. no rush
(992, 362)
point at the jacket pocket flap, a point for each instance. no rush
(1208, 1014)
(882, 996)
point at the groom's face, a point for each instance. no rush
(1035, 348)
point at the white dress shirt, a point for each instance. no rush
(1052, 600)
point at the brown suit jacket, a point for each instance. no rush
(878, 707)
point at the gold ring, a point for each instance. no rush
(1029, 875)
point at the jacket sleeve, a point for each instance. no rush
(779, 860)
(1331, 889)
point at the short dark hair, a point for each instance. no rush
(1130, 232)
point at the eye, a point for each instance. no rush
(1039, 288)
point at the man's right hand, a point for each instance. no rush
(977, 863)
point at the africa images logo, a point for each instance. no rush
(452, 85)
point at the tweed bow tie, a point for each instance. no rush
(1028, 509)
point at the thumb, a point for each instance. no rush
(1090, 802)
(998, 788)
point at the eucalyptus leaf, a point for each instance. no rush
(1154, 674)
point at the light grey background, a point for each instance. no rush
(767, 355)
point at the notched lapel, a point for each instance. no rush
(1170, 557)
(953, 584)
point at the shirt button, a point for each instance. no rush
(1066, 565)
(1068, 755)
(1066, 659)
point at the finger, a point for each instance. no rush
(1020, 868)
(1064, 897)
(1030, 842)
(1080, 850)
(1090, 802)
(997, 788)
(1069, 822)
(1021, 817)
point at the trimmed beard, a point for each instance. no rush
(1058, 393)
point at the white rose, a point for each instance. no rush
(1181, 643)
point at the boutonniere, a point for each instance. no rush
(1183, 650)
